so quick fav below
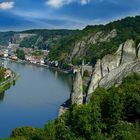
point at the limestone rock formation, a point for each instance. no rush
(77, 90)
(62, 110)
(92, 39)
(128, 52)
(109, 71)
(113, 68)
(81, 46)
(138, 50)
(103, 67)
(110, 62)
(116, 75)
(108, 37)
(95, 78)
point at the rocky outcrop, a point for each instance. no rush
(103, 67)
(110, 62)
(77, 90)
(113, 68)
(95, 78)
(128, 52)
(80, 47)
(62, 110)
(138, 50)
(108, 36)
(116, 75)
(108, 72)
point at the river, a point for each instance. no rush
(34, 99)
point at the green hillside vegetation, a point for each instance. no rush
(20, 54)
(4, 37)
(28, 42)
(45, 39)
(37, 53)
(51, 33)
(128, 28)
(2, 73)
(112, 114)
(42, 38)
(62, 42)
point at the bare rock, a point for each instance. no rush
(138, 50)
(62, 110)
(129, 52)
(110, 62)
(116, 75)
(94, 38)
(80, 47)
(77, 90)
(95, 78)
(109, 36)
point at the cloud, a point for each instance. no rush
(60, 3)
(6, 5)
(83, 2)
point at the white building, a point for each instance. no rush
(42, 61)
(56, 63)
(28, 57)
(6, 53)
(10, 45)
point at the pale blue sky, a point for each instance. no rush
(58, 14)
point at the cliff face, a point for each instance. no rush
(109, 71)
(77, 90)
(80, 47)
(116, 75)
(128, 52)
(114, 68)
(95, 78)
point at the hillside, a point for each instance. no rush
(112, 114)
(71, 46)
(5, 36)
(94, 42)
(39, 38)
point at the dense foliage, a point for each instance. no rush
(45, 39)
(28, 42)
(112, 114)
(39, 38)
(61, 42)
(2, 73)
(5, 37)
(37, 53)
(128, 28)
(20, 54)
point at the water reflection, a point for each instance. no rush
(2, 96)
(38, 90)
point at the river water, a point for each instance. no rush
(34, 99)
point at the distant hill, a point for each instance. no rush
(71, 46)
(39, 38)
(5, 36)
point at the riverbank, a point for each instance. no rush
(66, 103)
(38, 91)
(6, 84)
(37, 64)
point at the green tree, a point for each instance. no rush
(50, 131)
(20, 54)
(2, 70)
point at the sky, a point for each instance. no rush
(63, 14)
